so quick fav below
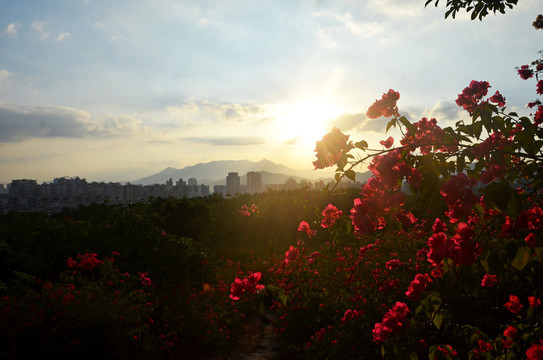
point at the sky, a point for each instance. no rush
(119, 90)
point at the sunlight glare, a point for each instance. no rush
(306, 122)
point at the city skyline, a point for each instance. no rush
(114, 92)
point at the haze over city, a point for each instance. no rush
(121, 90)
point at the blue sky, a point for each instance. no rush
(117, 90)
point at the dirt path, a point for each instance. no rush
(260, 342)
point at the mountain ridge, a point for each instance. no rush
(215, 172)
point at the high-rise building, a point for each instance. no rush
(232, 183)
(254, 182)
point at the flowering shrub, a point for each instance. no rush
(445, 270)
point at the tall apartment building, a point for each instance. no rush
(254, 182)
(233, 185)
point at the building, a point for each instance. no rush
(233, 185)
(254, 182)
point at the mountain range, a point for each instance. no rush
(215, 172)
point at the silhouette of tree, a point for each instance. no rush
(478, 8)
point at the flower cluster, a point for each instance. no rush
(386, 106)
(248, 210)
(330, 215)
(87, 261)
(248, 285)
(331, 149)
(393, 321)
(418, 286)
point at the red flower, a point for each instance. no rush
(393, 321)
(472, 95)
(534, 302)
(330, 214)
(386, 106)
(535, 352)
(388, 142)
(418, 285)
(489, 280)
(331, 148)
(511, 332)
(540, 87)
(498, 99)
(538, 117)
(530, 240)
(249, 284)
(513, 304)
(304, 227)
(525, 72)
(483, 347)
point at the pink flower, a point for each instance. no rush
(330, 214)
(530, 240)
(513, 304)
(511, 332)
(417, 286)
(535, 352)
(331, 148)
(540, 87)
(387, 143)
(489, 280)
(498, 99)
(304, 227)
(525, 72)
(386, 106)
(533, 301)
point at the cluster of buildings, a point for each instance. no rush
(67, 192)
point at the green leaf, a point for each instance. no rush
(437, 320)
(337, 177)
(390, 124)
(413, 356)
(503, 197)
(362, 145)
(350, 174)
(522, 258)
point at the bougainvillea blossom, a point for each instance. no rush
(386, 106)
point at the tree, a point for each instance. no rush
(478, 8)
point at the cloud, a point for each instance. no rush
(348, 122)
(18, 124)
(12, 29)
(4, 74)
(42, 29)
(63, 36)
(397, 8)
(228, 140)
(45, 31)
(365, 29)
(209, 112)
(446, 113)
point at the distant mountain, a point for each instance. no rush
(215, 172)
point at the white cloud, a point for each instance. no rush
(12, 29)
(98, 25)
(41, 28)
(63, 36)
(4, 74)
(361, 28)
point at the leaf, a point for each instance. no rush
(390, 124)
(437, 320)
(413, 356)
(350, 174)
(362, 145)
(503, 197)
(522, 258)
(337, 177)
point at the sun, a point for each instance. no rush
(306, 122)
